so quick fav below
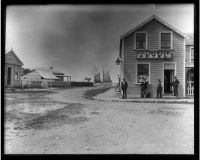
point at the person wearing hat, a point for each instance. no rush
(124, 87)
(143, 87)
(175, 84)
(159, 89)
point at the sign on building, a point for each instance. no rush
(154, 54)
(169, 66)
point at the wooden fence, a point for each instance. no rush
(59, 84)
(32, 84)
(45, 84)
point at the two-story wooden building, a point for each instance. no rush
(153, 50)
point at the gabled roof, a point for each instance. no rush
(37, 74)
(46, 74)
(189, 38)
(147, 21)
(12, 58)
(33, 75)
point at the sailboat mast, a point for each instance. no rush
(103, 75)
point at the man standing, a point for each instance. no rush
(124, 87)
(175, 84)
(159, 89)
(143, 86)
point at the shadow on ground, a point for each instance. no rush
(70, 114)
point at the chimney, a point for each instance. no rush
(51, 68)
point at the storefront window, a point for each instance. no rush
(141, 41)
(165, 40)
(16, 73)
(192, 55)
(143, 72)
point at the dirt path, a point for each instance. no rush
(65, 122)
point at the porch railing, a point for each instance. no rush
(190, 91)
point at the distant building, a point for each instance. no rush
(189, 64)
(13, 69)
(59, 75)
(153, 50)
(43, 75)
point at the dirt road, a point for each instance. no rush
(64, 122)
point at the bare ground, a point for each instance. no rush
(67, 121)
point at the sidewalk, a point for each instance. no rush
(113, 95)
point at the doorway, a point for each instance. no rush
(9, 76)
(168, 81)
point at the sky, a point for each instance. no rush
(76, 38)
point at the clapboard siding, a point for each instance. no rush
(14, 82)
(156, 74)
(179, 59)
(153, 29)
(187, 56)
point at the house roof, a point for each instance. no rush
(189, 38)
(49, 73)
(147, 21)
(12, 58)
(46, 74)
(33, 75)
(37, 74)
(48, 69)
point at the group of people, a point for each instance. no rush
(144, 94)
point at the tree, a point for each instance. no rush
(87, 79)
(25, 71)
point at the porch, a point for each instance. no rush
(189, 81)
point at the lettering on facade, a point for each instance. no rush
(154, 54)
(169, 66)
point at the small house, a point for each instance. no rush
(13, 69)
(43, 77)
(58, 74)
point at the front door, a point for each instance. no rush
(168, 81)
(9, 76)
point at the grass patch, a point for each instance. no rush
(91, 93)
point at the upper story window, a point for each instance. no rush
(192, 54)
(166, 40)
(141, 40)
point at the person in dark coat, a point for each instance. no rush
(159, 89)
(124, 87)
(175, 84)
(143, 88)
